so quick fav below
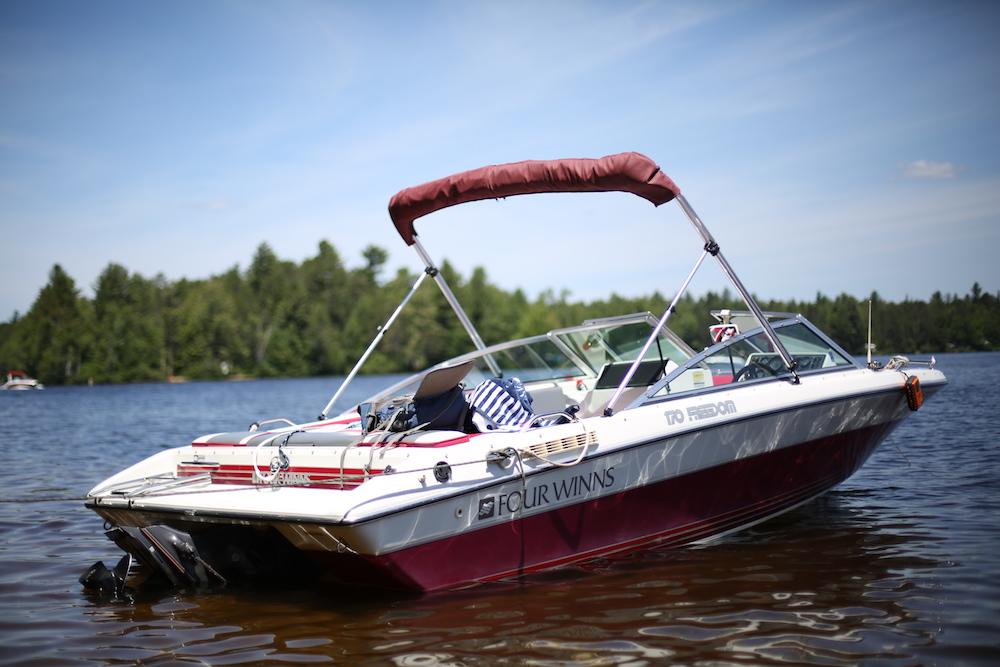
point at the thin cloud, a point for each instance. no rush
(928, 169)
(542, 45)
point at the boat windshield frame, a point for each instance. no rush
(586, 370)
(650, 395)
(474, 355)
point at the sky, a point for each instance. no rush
(830, 147)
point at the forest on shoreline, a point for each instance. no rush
(280, 318)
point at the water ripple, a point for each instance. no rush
(898, 566)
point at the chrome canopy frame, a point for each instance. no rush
(711, 247)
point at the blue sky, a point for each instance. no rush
(833, 147)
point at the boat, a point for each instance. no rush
(582, 442)
(20, 381)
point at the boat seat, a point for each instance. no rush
(441, 380)
(593, 403)
(547, 397)
(648, 372)
(303, 438)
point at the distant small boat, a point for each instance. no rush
(20, 381)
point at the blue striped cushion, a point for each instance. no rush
(495, 409)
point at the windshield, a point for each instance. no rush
(600, 346)
(538, 360)
(576, 352)
(753, 358)
(530, 360)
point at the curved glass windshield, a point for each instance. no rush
(753, 358)
(538, 360)
(577, 352)
(618, 343)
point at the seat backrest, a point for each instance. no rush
(593, 403)
(648, 372)
(440, 380)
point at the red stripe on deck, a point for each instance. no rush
(404, 443)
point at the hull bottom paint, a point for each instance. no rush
(678, 511)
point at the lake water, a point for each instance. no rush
(900, 565)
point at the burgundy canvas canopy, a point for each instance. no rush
(624, 172)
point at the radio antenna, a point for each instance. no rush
(869, 346)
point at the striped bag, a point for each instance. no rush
(496, 409)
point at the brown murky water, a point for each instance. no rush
(898, 566)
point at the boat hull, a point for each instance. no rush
(672, 512)
(664, 492)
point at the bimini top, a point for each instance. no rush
(624, 172)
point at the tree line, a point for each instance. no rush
(279, 318)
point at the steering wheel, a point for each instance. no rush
(751, 372)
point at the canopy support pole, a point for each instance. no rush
(609, 409)
(371, 348)
(449, 296)
(713, 249)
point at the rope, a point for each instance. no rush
(583, 451)
(524, 482)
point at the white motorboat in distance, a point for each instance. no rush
(20, 381)
(614, 436)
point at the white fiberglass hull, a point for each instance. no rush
(672, 472)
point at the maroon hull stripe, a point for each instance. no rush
(671, 512)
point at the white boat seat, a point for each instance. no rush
(303, 438)
(648, 372)
(547, 397)
(595, 401)
(440, 380)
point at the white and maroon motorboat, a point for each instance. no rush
(20, 381)
(592, 440)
